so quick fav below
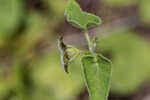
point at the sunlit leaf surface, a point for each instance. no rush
(78, 18)
(97, 76)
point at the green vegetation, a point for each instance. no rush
(96, 68)
(30, 66)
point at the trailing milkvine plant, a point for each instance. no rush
(96, 68)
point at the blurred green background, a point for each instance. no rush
(30, 60)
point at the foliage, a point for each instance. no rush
(78, 18)
(97, 76)
(130, 56)
(144, 11)
(96, 68)
(11, 12)
(29, 59)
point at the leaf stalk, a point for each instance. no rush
(90, 45)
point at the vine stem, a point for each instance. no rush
(88, 40)
(91, 49)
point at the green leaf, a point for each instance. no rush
(144, 11)
(130, 55)
(10, 15)
(11, 11)
(97, 76)
(78, 18)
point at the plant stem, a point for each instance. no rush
(90, 45)
(88, 39)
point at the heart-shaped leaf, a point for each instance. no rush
(97, 76)
(79, 18)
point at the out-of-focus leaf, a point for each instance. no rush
(10, 14)
(78, 18)
(36, 30)
(130, 56)
(47, 73)
(144, 10)
(56, 9)
(56, 4)
(97, 76)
